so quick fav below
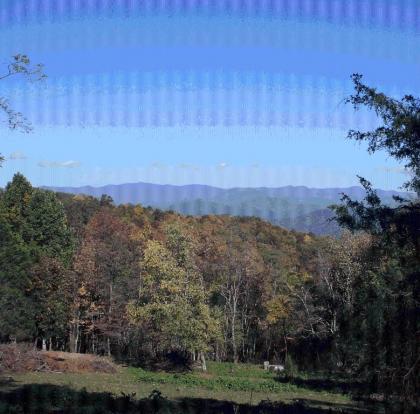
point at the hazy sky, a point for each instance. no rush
(220, 92)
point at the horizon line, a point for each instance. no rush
(220, 188)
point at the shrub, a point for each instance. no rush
(290, 368)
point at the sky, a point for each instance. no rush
(230, 93)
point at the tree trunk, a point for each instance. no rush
(44, 344)
(74, 334)
(285, 340)
(203, 362)
(233, 334)
(108, 341)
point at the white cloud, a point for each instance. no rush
(59, 164)
(17, 155)
(222, 165)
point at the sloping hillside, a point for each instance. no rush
(299, 208)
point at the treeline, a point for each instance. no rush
(143, 285)
(84, 275)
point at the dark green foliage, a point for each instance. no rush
(290, 368)
(79, 210)
(50, 299)
(399, 134)
(106, 201)
(47, 225)
(385, 322)
(15, 261)
(15, 202)
(35, 244)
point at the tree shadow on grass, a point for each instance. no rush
(46, 398)
(6, 381)
(332, 384)
(357, 390)
(174, 362)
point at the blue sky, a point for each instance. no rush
(227, 93)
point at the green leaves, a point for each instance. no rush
(20, 65)
(15, 283)
(33, 230)
(400, 133)
(47, 225)
(382, 321)
(173, 303)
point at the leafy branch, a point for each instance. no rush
(20, 65)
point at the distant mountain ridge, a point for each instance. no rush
(294, 207)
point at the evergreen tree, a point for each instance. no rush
(47, 228)
(15, 261)
(16, 313)
(387, 305)
(15, 203)
(34, 232)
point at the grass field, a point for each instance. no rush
(241, 384)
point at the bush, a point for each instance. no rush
(290, 368)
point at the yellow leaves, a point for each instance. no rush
(134, 313)
(155, 254)
(136, 234)
(306, 277)
(159, 264)
(82, 291)
(307, 238)
(277, 308)
(170, 287)
(172, 300)
(138, 211)
(79, 197)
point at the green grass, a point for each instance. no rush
(220, 377)
(241, 383)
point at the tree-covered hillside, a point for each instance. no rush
(295, 208)
(84, 275)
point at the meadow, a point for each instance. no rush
(225, 386)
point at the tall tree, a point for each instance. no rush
(173, 303)
(104, 280)
(15, 202)
(34, 223)
(47, 227)
(388, 299)
(16, 321)
(51, 301)
(15, 260)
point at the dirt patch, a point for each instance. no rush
(23, 358)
